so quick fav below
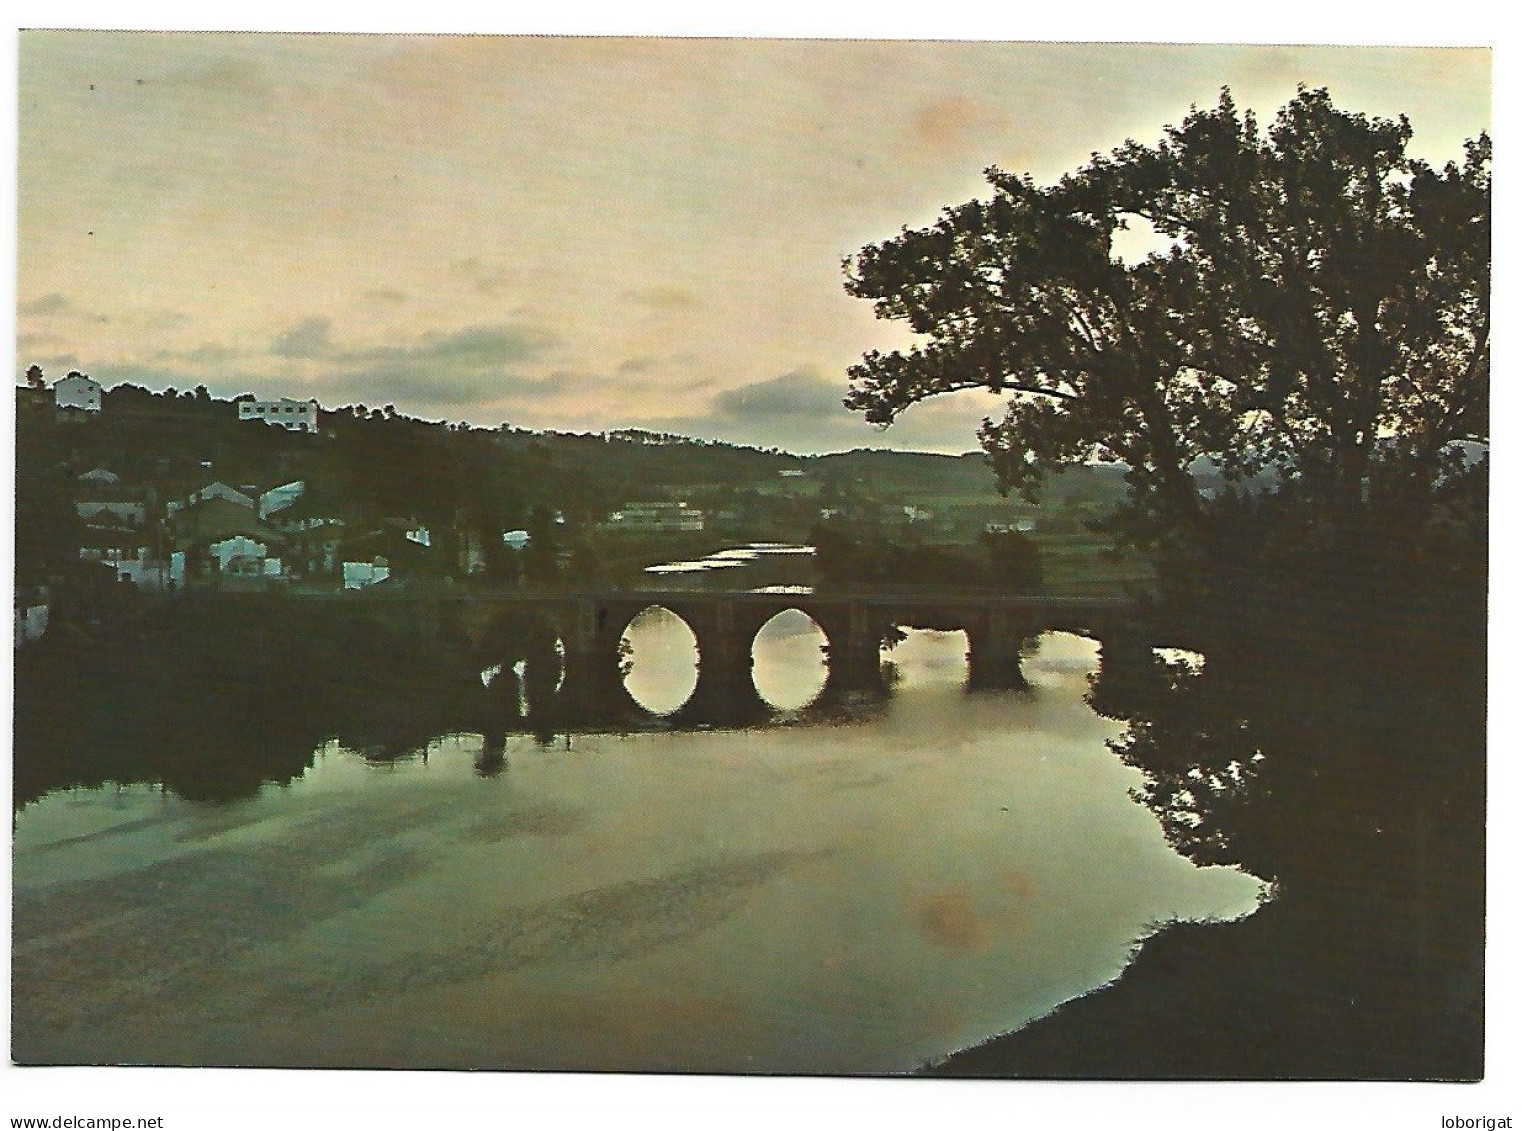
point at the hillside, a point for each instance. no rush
(471, 485)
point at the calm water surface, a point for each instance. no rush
(858, 897)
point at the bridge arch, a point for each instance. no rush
(659, 657)
(788, 656)
(933, 653)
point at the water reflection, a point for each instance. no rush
(237, 701)
(948, 660)
(789, 669)
(1331, 738)
(735, 557)
(863, 896)
(662, 664)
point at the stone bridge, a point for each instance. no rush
(482, 626)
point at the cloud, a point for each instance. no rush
(802, 411)
(55, 305)
(954, 918)
(798, 411)
(663, 298)
(161, 319)
(422, 390)
(55, 362)
(472, 349)
(311, 337)
(387, 294)
(799, 394)
(949, 122)
(485, 278)
(153, 377)
(239, 79)
(476, 368)
(646, 363)
(207, 353)
(48, 306)
(473, 372)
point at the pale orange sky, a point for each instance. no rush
(568, 233)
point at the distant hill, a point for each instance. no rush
(926, 474)
(922, 471)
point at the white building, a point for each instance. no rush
(114, 547)
(241, 555)
(213, 490)
(359, 575)
(1024, 526)
(278, 498)
(150, 573)
(294, 416)
(77, 391)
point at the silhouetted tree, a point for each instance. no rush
(1322, 309)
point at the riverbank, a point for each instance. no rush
(1294, 991)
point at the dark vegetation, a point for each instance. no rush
(859, 554)
(1316, 333)
(213, 700)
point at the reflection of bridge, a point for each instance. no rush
(481, 624)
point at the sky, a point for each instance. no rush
(570, 233)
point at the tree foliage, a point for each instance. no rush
(853, 554)
(1322, 312)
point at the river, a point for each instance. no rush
(861, 895)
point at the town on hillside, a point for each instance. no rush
(124, 491)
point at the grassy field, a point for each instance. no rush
(1081, 563)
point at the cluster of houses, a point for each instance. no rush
(218, 531)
